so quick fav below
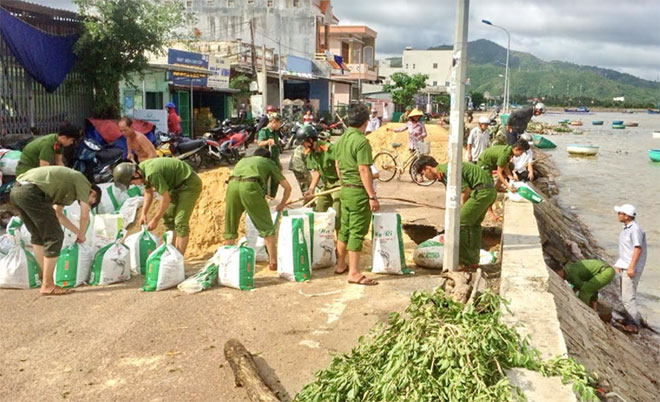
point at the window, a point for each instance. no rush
(210, 2)
(296, 3)
(269, 3)
(154, 100)
(230, 3)
(435, 65)
(212, 26)
(435, 83)
(188, 4)
(406, 66)
(413, 66)
(250, 1)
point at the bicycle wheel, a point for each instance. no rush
(386, 166)
(418, 178)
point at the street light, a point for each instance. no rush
(506, 72)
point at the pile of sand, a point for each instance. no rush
(437, 136)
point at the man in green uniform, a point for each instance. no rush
(47, 150)
(298, 165)
(40, 195)
(245, 192)
(404, 116)
(478, 193)
(179, 188)
(269, 138)
(358, 197)
(587, 278)
(321, 162)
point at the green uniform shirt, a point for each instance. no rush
(165, 174)
(41, 149)
(258, 167)
(268, 134)
(471, 175)
(494, 157)
(577, 273)
(62, 185)
(351, 150)
(323, 161)
(298, 162)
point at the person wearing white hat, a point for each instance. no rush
(374, 122)
(478, 140)
(630, 265)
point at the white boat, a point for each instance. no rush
(582, 149)
(656, 134)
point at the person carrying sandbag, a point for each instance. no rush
(246, 191)
(178, 186)
(40, 195)
(478, 194)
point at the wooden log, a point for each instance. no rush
(247, 374)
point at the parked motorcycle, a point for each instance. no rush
(336, 128)
(227, 146)
(185, 149)
(94, 161)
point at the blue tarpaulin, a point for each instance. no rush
(47, 58)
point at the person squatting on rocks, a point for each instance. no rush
(587, 278)
(478, 194)
(179, 188)
(40, 195)
(518, 120)
(358, 198)
(47, 150)
(246, 191)
(138, 146)
(478, 140)
(416, 130)
(268, 138)
(631, 262)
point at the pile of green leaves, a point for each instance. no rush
(439, 351)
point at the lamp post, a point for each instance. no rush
(506, 72)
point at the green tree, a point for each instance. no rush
(242, 83)
(443, 101)
(404, 87)
(477, 98)
(117, 37)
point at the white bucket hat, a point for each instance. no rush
(484, 120)
(626, 209)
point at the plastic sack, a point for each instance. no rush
(202, 280)
(524, 193)
(235, 266)
(17, 223)
(308, 216)
(111, 264)
(292, 250)
(255, 241)
(18, 268)
(320, 237)
(112, 198)
(8, 162)
(106, 229)
(430, 253)
(164, 267)
(140, 245)
(128, 210)
(387, 244)
(73, 265)
(487, 257)
(72, 212)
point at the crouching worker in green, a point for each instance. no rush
(246, 191)
(321, 162)
(358, 197)
(47, 150)
(587, 278)
(478, 194)
(179, 188)
(40, 195)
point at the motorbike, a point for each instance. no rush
(336, 128)
(227, 145)
(288, 136)
(185, 149)
(95, 161)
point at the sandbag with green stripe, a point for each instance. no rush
(430, 253)
(387, 244)
(19, 268)
(73, 265)
(111, 264)
(140, 245)
(164, 267)
(235, 266)
(292, 249)
(202, 280)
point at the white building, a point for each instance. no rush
(434, 63)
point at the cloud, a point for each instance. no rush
(623, 36)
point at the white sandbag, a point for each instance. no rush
(524, 193)
(128, 210)
(387, 244)
(6, 244)
(72, 212)
(8, 162)
(111, 264)
(487, 257)
(308, 215)
(255, 241)
(164, 267)
(73, 265)
(235, 266)
(292, 252)
(430, 253)
(106, 229)
(17, 223)
(112, 198)
(141, 245)
(18, 268)
(321, 239)
(202, 280)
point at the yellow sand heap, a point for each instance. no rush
(437, 136)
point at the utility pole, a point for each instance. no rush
(279, 65)
(457, 93)
(252, 50)
(264, 79)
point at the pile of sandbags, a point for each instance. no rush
(164, 267)
(18, 267)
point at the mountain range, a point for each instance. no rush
(533, 77)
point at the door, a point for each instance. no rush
(183, 107)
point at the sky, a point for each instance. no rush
(623, 35)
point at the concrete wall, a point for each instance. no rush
(435, 63)
(341, 94)
(154, 81)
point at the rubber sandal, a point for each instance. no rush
(364, 281)
(58, 291)
(342, 272)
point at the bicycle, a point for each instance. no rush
(389, 165)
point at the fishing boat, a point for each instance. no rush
(615, 122)
(654, 154)
(582, 149)
(653, 111)
(631, 124)
(576, 123)
(656, 134)
(597, 122)
(579, 109)
(565, 121)
(540, 141)
(618, 126)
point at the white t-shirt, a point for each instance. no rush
(520, 162)
(373, 125)
(478, 141)
(631, 236)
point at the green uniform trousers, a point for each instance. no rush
(272, 183)
(324, 202)
(589, 291)
(182, 204)
(355, 217)
(304, 179)
(39, 217)
(249, 197)
(473, 213)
